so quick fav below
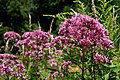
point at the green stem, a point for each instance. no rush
(29, 67)
(93, 67)
(83, 66)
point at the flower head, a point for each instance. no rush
(86, 32)
(40, 36)
(9, 64)
(98, 58)
(11, 36)
(27, 35)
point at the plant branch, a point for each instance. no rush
(51, 25)
(94, 9)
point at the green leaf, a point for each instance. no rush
(117, 77)
(110, 66)
(116, 70)
(107, 76)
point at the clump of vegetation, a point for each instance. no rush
(84, 48)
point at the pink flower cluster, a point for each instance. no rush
(53, 62)
(51, 46)
(98, 58)
(8, 56)
(27, 43)
(11, 36)
(61, 41)
(27, 35)
(34, 39)
(10, 65)
(55, 74)
(86, 32)
(66, 65)
(34, 55)
(38, 35)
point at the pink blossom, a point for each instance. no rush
(10, 65)
(27, 35)
(53, 62)
(101, 59)
(85, 32)
(55, 74)
(65, 65)
(11, 36)
(40, 36)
